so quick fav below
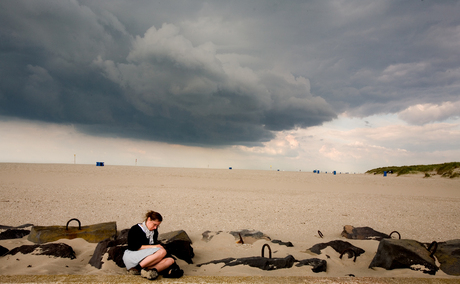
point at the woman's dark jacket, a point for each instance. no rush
(137, 238)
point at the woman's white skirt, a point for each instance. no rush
(132, 258)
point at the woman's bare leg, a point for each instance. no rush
(157, 261)
(153, 259)
(163, 264)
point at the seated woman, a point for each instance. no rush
(145, 256)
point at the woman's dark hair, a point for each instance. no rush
(153, 216)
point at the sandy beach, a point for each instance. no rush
(288, 206)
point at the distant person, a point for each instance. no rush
(145, 255)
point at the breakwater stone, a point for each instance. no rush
(362, 233)
(92, 233)
(56, 249)
(393, 254)
(448, 255)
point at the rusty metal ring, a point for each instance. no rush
(74, 219)
(347, 250)
(396, 233)
(435, 244)
(269, 250)
(320, 234)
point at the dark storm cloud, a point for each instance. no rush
(69, 63)
(221, 73)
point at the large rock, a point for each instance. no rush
(362, 233)
(340, 247)
(104, 245)
(13, 234)
(179, 244)
(115, 253)
(393, 254)
(448, 255)
(92, 233)
(55, 249)
(257, 261)
(3, 250)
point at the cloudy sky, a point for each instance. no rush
(292, 85)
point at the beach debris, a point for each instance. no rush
(3, 250)
(394, 254)
(319, 265)
(13, 234)
(362, 233)
(55, 249)
(320, 234)
(448, 255)
(92, 233)
(288, 244)
(339, 246)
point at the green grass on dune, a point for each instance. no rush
(450, 170)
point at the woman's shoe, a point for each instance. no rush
(173, 271)
(149, 274)
(134, 271)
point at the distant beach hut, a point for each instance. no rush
(99, 164)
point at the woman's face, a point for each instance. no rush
(152, 224)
